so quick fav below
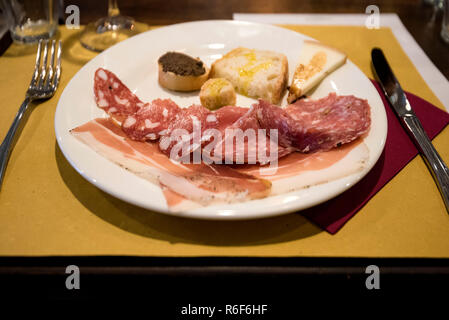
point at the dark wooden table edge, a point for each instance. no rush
(167, 284)
(220, 265)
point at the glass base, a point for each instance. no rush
(445, 34)
(32, 32)
(106, 32)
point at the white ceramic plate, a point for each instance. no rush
(135, 63)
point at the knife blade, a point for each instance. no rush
(400, 104)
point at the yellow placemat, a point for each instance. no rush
(47, 208)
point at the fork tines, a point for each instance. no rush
(47, 73)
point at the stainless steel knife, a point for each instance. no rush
(411, 123)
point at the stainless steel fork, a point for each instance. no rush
(43, 85)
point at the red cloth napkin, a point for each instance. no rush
(399, 150)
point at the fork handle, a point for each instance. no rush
(7, 144)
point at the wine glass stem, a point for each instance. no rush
(113, 9)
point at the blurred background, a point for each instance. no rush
(162, 12)
(422, 19)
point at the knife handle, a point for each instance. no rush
(439, 170)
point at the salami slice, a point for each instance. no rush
(228, 115)
(228, 135)
(317, 125)
(113, 96)
(185, 133)
(246, 142)
(151, 121)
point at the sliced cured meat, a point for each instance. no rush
(229, 135)
(151, 121)
(290, 133)
(189, 118)
(317, 125)
(192, 127)
(332, 112)
(207, 184)
(113, 96)
(202, 183)
(261, 134)
(184, 133)
(244, 141)
(228, 115)
(333, 120)
(189, 128)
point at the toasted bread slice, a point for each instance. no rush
(316, 61)
(254, 73)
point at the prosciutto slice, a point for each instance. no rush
(202, 183)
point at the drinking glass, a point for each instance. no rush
(108, 31)
(3, 23)
(31, 20)
(445, 24)
(436, 3)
